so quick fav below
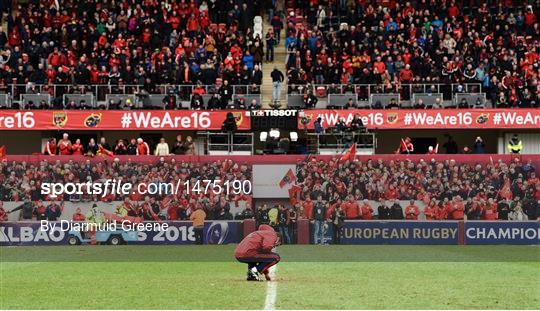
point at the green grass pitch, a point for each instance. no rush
(309, 277)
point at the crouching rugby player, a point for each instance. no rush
(256, 250)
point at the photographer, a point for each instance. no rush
(338, 218)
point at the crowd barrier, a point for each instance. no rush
(441, 232)
(282, 159)
(401, 232)
(353, 232)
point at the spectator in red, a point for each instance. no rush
(77, 148)
(307, 206)
(367, 211)
(458, 208)
(172, 211)
(530, 17)
(430, 211)
(64, 145)
(142, 147)
(78, 216)
(453, 10)
(351, 208)
(490, 210)
(50, 147)
(379, 65)
(412, 211)
(406, 75)
(3, 213)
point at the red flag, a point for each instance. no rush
(293, 194)
(403, 146)
(104, 151)
(2, 152)
(166, 201)
(289, 178)
(349, 154)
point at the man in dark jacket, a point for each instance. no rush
(256, 75)
(310, 100)
(277, 79)
(53, 211)
(338, 218)
(479, 146)
(178, 146)
(27, 209)
(396, 211)
(451, 146)
(225, 92)
(262, 215)
(214, 102)
(131, 149)
(319, 218)
(283, 224)
(385, 212)
(503, 209)
(197, 102)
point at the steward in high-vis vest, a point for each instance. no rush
(515, 145)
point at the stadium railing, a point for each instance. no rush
(365, 92)
(102, 93)
(284, 159)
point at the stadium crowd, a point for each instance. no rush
(449, 190)
(21, 182)
(325, 192)
(494, 44)
(134, 146)
(145, 43)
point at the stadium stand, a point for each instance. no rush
(131, 47)
(441, 189)
(392, 47)
(437, 187)
(21, 184)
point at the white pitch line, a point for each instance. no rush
(271, 290)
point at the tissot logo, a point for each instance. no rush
(273, 113)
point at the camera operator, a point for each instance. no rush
(357, 128)
(229, 126)
(342, 132)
